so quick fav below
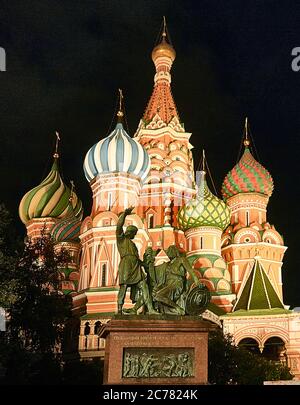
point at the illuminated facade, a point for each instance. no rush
(235, 251)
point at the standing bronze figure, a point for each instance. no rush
(130, 270)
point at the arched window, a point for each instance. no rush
(109, 201)
(97, 328)
(150, 221)
(103, 275)
(274, 349)
(247, 218)
(250, 344)
(87, 328)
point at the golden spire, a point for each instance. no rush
(164, 33)
(246, 140)
(72, 191)
(203, 160)
(56, 155)
(120, 112)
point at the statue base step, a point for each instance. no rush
(156, 350)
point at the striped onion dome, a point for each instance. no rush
(247, 176)
(66, 229)
(49, 199)
(116, 153)
(205, 209)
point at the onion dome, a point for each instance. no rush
(66, 229)
(49, 199)
(163, 49)
(247, 176)
(204, 210)
(117, 153)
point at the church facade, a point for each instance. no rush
(236, 252)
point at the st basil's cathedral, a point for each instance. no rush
(231, 245)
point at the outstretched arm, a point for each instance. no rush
(121, 220)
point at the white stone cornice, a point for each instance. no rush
(254, 244)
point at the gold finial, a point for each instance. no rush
(72, 191)
(246, 140)
(203, 160)
(164, 34)
(120, 112)
(56, 155)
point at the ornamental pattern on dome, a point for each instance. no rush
(204, 210)
(49, 199)
(116, 153)
(247, 176)
(66, 229)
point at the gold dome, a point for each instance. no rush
(163, 49)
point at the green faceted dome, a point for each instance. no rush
(204, 210)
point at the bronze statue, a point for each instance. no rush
(130, 270)
(171, 282)
(162, 289)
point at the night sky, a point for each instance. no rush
(66, 60)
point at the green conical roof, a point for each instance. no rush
(258, 292)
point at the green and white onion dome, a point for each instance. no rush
(117, 153)
(49, 199)
(205, 209)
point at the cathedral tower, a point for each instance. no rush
(247, 189)
(65, 234)
(203, 220)
(115, 168)
(170, 181)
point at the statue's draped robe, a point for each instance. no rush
(172, 284)
(130, 271)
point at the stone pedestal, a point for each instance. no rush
(156, 350)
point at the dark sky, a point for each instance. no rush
(66, 60)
